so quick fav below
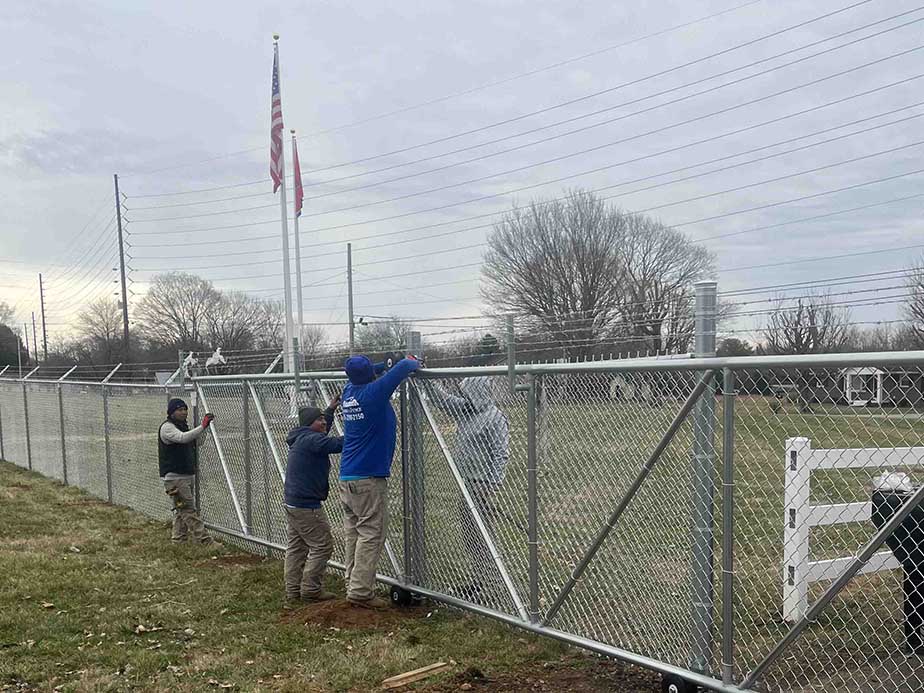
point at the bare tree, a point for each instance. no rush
(100, 325)
(914, 309)
(660, 266)
(876, 338)
(558, 262)
(312, 338)
(584, 272)
(6, 314)
(810, 326)
(382, 336)
(233, 320)
(269, 332)
(175, 310)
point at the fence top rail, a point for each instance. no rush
(807, 361)
(93, 383)
(888, 359)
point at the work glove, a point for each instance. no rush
(207, 420)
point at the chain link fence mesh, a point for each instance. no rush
(12, 423)
(808, 445)
(84, 437)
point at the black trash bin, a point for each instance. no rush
(907, 545)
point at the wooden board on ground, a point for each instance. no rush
(416, 675)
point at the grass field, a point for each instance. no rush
(637, 593)
(95, 599)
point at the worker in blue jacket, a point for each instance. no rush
(369, 430)
(306, 487)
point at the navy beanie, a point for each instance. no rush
(359, 370)
(174, 404)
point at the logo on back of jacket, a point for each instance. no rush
(352, 411)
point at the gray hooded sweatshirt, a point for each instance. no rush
(482, 446)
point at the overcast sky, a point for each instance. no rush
(175, 97)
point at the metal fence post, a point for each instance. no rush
(408, 568)
(2, 451)
(703, 486)
(63, 444)
(197, 493)
(416, 475)
(728, 525)
(248, 467)
(25, 411)
(532, 499)
(107, 442)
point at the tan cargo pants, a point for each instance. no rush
(365, 517)
(308, 548)
(186, 520)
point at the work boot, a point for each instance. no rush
(375, 604)
(292, 603)
(322, 596)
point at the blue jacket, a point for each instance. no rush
(308, 466)
(369, 424)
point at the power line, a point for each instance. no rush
(546, 161)
(465, 92)
(555, 124)
(570, 101)
(709, 195)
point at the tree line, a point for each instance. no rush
(585, 279)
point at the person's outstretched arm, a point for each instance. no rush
(449, 403)
(388, 383)
(171, 435)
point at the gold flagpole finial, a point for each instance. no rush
(275, 37)
(293, 132)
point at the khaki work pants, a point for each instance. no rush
(186, 520)
(308, 548)
(365, 517)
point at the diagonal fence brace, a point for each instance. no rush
(872, 546)
(224, 467)
(637, 483)
(473, 509)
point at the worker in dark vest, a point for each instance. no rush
(176, 454)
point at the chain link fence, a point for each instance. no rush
(724, 521)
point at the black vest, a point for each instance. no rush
(176, 458)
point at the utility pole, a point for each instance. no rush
(350, 298)
(34, 341)
(44, 332)
(19, 350)
(118, 204)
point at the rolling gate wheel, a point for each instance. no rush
(674, 684)
(402, 597)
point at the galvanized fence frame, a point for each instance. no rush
(431, 480)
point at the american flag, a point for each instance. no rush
(299, 192)
(276, 172)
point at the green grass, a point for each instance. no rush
(95, 598)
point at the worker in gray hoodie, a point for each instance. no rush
(481, 452)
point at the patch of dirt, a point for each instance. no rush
(232, 561)
(574, 674)
(340, 613)
(20, 486)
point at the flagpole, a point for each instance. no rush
(286, 270)
(298, 254)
